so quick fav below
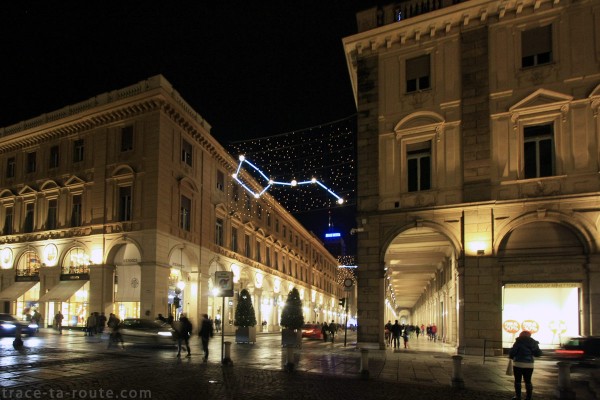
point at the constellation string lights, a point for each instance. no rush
(326, 151)
(271, 182)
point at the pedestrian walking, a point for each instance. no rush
(101, 321)
(332, 330)
(90, 325)
(405, 337)
(205, 333)
(324, 330)
(522, 355)
(114, 323)
(36, 318)
(58, 319)
(388, 333)
(396, 332)
(183, 329)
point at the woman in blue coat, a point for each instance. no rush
(522, 354)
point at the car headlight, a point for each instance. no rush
(165, 334)
(33, 326)
(6, 325)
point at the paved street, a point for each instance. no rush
(72, 366)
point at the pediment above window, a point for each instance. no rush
(49, 186)
(74, 181)
(542, 99)
(419, 121)
(27, 190)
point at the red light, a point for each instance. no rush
(569, 352)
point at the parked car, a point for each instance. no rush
(584, 349)
(9, 324)
(145, 331)
(312, 331)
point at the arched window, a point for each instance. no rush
(29, 264)
(76, 262)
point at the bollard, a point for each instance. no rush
(289, 366)
(457, 376)
(564, 390)
(227, 356)
(18, 342)
(364, 363)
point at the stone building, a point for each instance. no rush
(478, 169)
(125, 203)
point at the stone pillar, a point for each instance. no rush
(154, 288)
(591, 321)
(460, 312)
(102, 288)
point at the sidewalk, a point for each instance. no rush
(424, 370)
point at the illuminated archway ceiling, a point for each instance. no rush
(412, 259)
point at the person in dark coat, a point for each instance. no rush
(205, 333)
(396, 332)
(324, 330)
(183, 329)
(522, 353)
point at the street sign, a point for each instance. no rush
(224, 282)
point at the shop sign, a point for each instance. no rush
(74, 277)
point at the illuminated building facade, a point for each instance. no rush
(478, 162)
(125, 203)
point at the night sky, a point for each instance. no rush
(251, 69)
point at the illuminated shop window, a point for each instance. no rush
(76, 262)
(29, 264)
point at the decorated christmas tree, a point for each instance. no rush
(244, 312)
(291, 316)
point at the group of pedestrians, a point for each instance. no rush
(395, 331)
(183, 331)
(329, 331)
(95, 324)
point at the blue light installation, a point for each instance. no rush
(270, 182)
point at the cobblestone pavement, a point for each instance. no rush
(74, 367)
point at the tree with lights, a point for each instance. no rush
(244, 312)
(245, 319)
(291, 316)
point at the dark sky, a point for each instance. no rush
(251, 69)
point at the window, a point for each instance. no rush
(247, 250)
(219, 232)
(538, 152)
(10, 167)
(258, 211)
(248, 204)
(220, 180)
(284, 232)
(78, 151)
(125, 203)
(418, 157)
(8, 222)
(236, 192)
(417, 74)
(127, 138)
(31, 164)
(51, 221)
(536, 46)
(276, 225)
(268, 219)
(258, 258)
(234, 239)
(76, 211)
(276, 259)
(29, 213)
(186, 214)
(186, 152)
(268, 256)
(53, 157)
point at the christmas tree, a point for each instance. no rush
(291, 316)
(244, 312)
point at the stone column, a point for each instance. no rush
(592, 320)
(102, 288)
(460, 312)
(154, 289)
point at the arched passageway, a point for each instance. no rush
(419, 281)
